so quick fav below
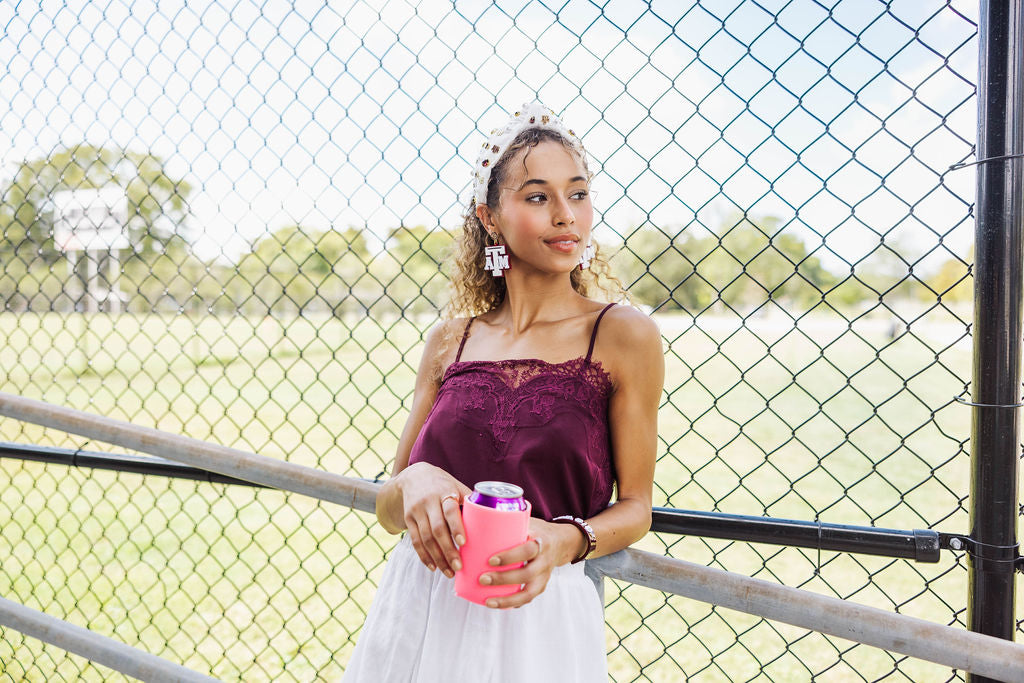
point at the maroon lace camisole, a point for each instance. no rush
(540, 425)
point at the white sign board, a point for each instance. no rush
(90, 219)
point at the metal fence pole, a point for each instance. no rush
(997, 323)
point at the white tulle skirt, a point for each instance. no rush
(419, 631)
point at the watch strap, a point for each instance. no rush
(585, 528)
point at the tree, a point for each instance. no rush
(298, 269)
(743, 264)
(953, 282)
(658, 272)
(409, 270)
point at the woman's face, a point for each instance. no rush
(545, 214)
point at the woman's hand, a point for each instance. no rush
(549, 546)
(430, 500)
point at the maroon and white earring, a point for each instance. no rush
(496, 259)
(588, 256)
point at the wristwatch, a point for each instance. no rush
(584, 527)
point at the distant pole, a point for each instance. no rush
(113, 292)
(79, 304)
(998, 292)
(90, 276)
(88, 309)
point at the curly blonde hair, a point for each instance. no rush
(474, 290)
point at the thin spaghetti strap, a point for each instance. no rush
(593, 335)
(465, 336)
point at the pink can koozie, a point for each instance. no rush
(496, 518)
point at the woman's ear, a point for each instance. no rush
(483, 212)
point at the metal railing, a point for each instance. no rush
(972, 652)
(920, 545)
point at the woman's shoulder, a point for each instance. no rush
(444, 334)
(445, 327)
(625, 327)
(440, 345)
(628, 339)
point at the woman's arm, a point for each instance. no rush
(638, 372)
(418, 497)
(631, 343)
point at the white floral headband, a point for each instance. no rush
(531, 115)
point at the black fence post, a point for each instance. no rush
(995, 442)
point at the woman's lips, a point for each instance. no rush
(566, 246)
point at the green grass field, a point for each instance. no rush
(822, 419)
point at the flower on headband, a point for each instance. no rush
(531, 115)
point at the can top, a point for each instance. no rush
(498, 489)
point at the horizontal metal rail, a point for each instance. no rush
(229, 462)
(945, 645)
(95, 647)
(117, 462)
(921, 545)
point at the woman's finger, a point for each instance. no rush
(433, 551)
(440, 545)
(453, 514)
(412, 528)
(530, 591)
(519, 575)
(524, 552)
(422, 536)
(453, 519)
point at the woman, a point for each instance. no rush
(524, 391)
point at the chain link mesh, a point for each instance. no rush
(774, 184)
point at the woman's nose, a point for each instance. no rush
(563, 214)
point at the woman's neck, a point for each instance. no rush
(533, 298)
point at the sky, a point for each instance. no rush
(840, 117)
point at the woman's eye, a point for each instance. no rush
(581, 194)
(536, 198)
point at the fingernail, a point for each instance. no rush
(485, 580)
(460, 539)
(457, 565)
(431, 567)
(492, 603)
(448, 573)
(494, 561)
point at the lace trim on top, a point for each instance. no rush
(518, 371)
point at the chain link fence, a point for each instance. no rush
(227, 220)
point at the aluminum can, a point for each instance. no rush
(496, 517)
(498, 495)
